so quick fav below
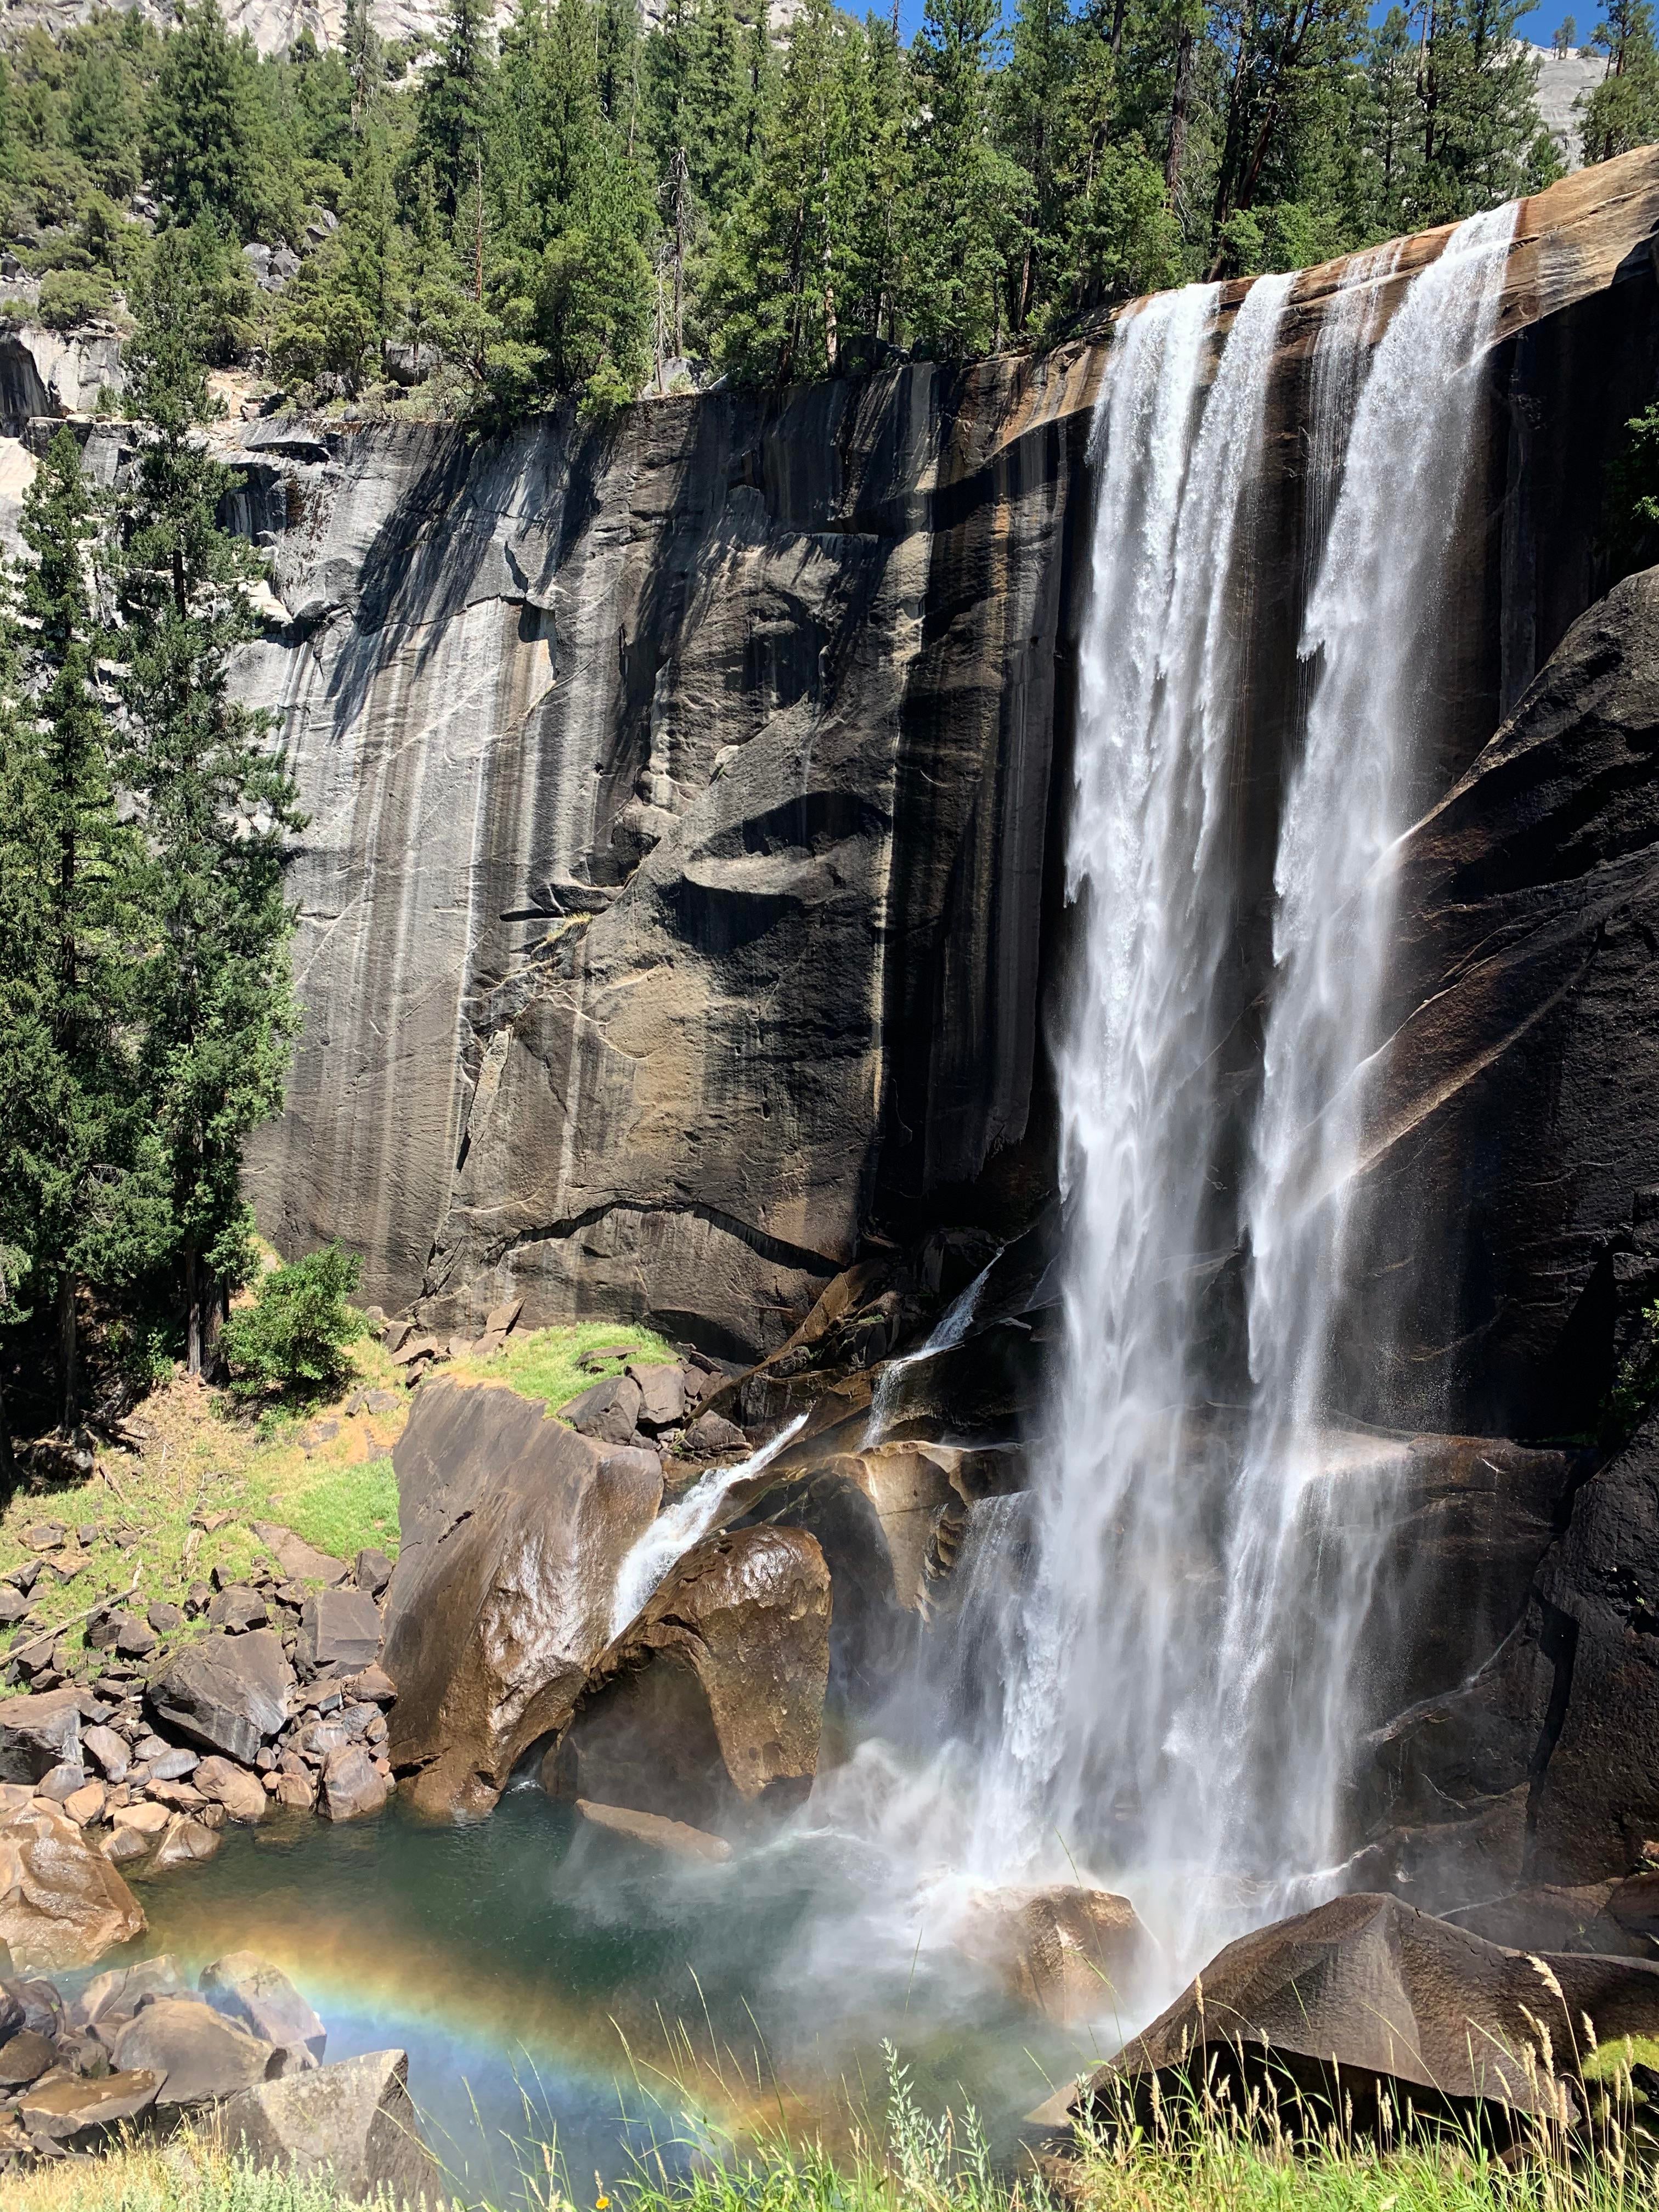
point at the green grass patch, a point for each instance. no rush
(343, 1511)
(545, 1363)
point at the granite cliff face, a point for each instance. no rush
(682, 894)
(673, 895)
(681, 887)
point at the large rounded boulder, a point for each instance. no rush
(513, 1529)
(709, 1708)
(61, 1904)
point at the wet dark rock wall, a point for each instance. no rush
(682, 891)
(680, 804)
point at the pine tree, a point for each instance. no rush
(453, 107)
(84, 1192)
(205, 149)
(784, 259)
(1391, 88)
(1623, 110)
(970, 202)
(214, 1001)
(364, 59)
(102, 126)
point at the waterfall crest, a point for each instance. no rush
(1176, 1682)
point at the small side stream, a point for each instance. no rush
(557, 1984)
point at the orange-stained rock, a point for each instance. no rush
(513, 1528)
(62, 1903)
(1072, 1952)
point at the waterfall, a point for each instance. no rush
(1148, 863)
(1281, 1719)
(1176, 1681)
(684, 1523)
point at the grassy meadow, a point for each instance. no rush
(182, 1503)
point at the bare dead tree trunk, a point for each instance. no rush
(1179, 106)
(68, 1348)
(192, 1311)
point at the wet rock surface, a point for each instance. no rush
(513, 1526)
(1366, 2000)
(1073, 1953)
(61, 1904)
(708, 1710)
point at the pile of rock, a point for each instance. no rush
(282, 1698)
(240, 2057)
(654, 1406)
(413, 1351)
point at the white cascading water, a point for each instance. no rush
(1156, 702)
(1281, 1723)
(685, 1522)
(1168, 1704)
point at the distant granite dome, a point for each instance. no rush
(276, 25)
(1563, 79)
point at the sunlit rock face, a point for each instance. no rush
(673, 887)
(682, 794)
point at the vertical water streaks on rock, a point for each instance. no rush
(761, 701)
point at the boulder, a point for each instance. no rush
(672, 1837)
(24, 2058)
(61, 1904)
(37, 1733)
(339, 1631)
(351, 2122)
(122, 1988)
(241, 1793)
(609, 1412)
(514, 1528)
(1364, 2005)
(201, 2055)
(86, 1804)
(60, 1784)
(250, 1990)
(122, 1632)
(712, 1435)
(227, 1694)
(662, 1397)
(111, 1751)
(74, 2111)
(709, 1709)
(146, 1819)
(238, 1609)
(182, 1842)
(300, 1561)
(373, 1571)
(171, 1764)
(352, 1784)
(1075, 1953)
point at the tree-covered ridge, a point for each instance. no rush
(572, 204)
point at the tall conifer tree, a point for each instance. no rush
(214, 1002)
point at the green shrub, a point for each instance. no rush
(71, 297)
(293, 1337)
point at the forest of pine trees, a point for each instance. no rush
(569, 204)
